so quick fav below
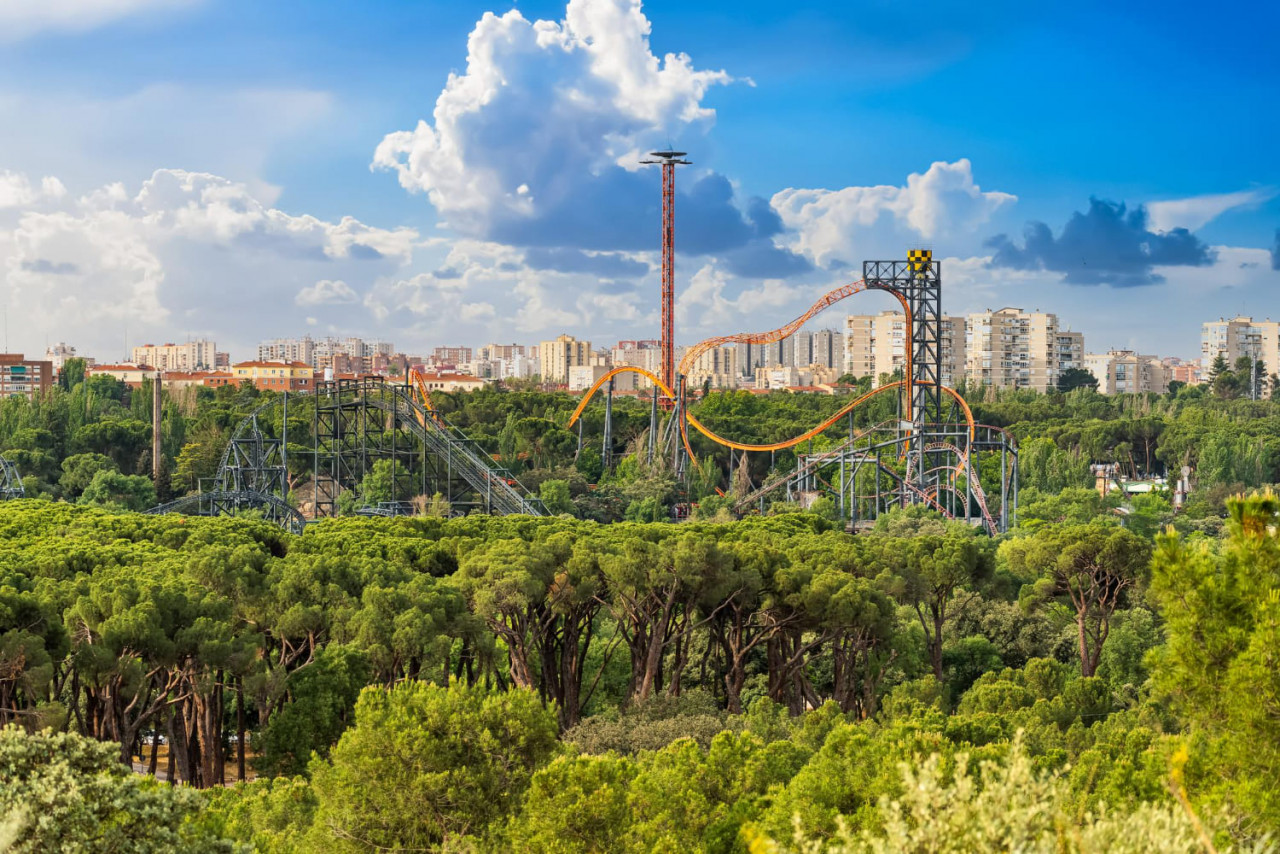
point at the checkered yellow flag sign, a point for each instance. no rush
(919, 259)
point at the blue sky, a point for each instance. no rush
(249, 169)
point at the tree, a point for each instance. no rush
(72, 373)
(1074, 378)
(70, 793)
(927, 570)
(1090, 568)
(555, 496)
(322, 698)
(1219, 665)
(576, 804)
(79, 470)
(386, 480)
(118, 491)
(426, 765)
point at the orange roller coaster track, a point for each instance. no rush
(743, 446)
(826, 301)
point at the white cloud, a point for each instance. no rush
(543, 112)
(854, 223)
(23, 18)
(327, 292)
(1194, 212)
(187, 253)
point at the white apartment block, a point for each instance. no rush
(1240, 336)
(876, 344)
(191, 356)
(1127, 372)
(1012, 348)
(495, 352)
(288, 350)
(58, 354)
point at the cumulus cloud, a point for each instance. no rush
(538, 143)
(1109, 244)
(187, 252)
(327, 292)
(1198, 211)
(23, 18)
(842, 227)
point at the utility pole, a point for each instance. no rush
(668, 160)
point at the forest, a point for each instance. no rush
(1102, 678)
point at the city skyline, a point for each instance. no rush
(433, 174)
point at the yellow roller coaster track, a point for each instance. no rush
(742, 446)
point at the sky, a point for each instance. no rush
(439, 173)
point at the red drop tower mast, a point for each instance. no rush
(668, 160)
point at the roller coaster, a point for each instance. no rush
(355, 424)
(936, 456)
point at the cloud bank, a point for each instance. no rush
(1109, 244)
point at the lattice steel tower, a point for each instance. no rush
(668, 160)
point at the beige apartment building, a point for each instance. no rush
(876, 344)
(639, 354)
(1240, 336)
(1127, 372)
(191, 356)
(717, 366)
(1012, 348)
(557, 357)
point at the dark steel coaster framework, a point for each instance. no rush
(10, 481)
(360, 421)
(252, 476)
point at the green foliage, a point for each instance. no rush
(321, 700)
(1219, 666)
(555, 496)
(70, 793)
(424, 765)
(1007, 805)
(116, 491)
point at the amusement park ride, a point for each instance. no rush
(933, 454)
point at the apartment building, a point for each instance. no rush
(275, 376)
(22, 376)
(876, 344)
(1013, 348)
(128, 373)
(717, 367)
(451, 355)
(823, 347)
(191, 356)
(1183, 371)
(288, 350)
(640, 354)
(58, 354)
(558, 356)
(1240, 336)
(500, 352)
(1127, 372)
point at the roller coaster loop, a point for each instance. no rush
(741, 446)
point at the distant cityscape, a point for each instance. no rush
(1005, 348)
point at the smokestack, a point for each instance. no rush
(155, 430)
